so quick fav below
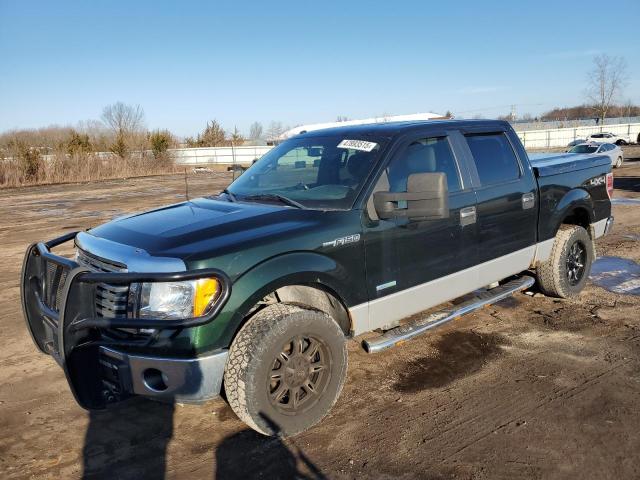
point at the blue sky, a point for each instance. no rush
(186, 62)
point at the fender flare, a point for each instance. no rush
(295, 268)
(575, 199)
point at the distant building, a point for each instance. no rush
(387, 118)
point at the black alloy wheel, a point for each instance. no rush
(576, 261)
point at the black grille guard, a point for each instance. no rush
(68, 329)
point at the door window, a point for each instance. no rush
(495, 160)
(427, 155)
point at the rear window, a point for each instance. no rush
(495, 159)
(583, 149)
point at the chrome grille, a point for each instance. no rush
(111, 300)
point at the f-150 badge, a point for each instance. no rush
(338, 242)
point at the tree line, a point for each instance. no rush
(56, 153)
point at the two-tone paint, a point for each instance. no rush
(374, 272)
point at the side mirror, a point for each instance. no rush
(427, 197)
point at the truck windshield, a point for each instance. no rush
(314, 172)
(583, 149)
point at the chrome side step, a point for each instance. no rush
(481, 299)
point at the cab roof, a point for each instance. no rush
(391, 129)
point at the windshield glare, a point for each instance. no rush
(318, 172)
(583, 149)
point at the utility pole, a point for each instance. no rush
(513, 113)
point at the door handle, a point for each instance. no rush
(528, 200)
(468, 216)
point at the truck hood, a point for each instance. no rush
(205, 227)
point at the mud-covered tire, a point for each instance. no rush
(554, 275)
(256, 352)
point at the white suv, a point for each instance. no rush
(606, 137)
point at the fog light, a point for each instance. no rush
(155, 380)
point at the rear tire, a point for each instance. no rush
(565, 273)
(286, 369)
(618, 163)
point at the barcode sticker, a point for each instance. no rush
(358, 145)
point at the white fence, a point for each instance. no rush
(560, 137)
(222, 155)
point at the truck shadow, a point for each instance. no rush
(248, 455)
(128, 440)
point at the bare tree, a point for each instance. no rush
(255, 131)
(126, 121)
(274, 131)
(123, 119)
(342, 118)
(605, 82)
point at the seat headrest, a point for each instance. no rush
(358, 165)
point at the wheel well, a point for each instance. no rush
(315, 297)
(578, 216)
(318, 298)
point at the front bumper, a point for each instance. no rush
(58, 301)
(182, 380)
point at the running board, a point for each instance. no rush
(481, 299)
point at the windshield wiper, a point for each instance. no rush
(232, 197)
(274, 196)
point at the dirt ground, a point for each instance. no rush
(532, 387)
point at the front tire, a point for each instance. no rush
(565, 273)
(618, 163)
(286, 369)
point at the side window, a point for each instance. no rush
(427, 155)
(495, 160)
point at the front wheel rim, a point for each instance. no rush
(575, 264)
(299, 375)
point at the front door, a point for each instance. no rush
(415, 264)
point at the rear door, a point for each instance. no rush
(507, 211)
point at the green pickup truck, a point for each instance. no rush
(254, 292)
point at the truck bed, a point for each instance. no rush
(547, 164)
(561, 173)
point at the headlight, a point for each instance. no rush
(176, 300)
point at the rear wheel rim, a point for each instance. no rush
(576, 261)
(299, 375)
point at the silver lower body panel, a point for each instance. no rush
(189, 380)
(480, 299)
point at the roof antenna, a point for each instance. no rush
(186, 184)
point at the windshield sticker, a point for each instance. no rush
(358, 145)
